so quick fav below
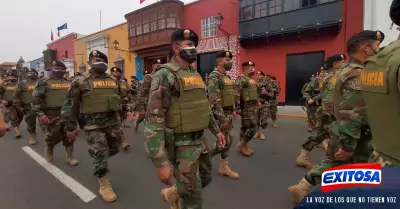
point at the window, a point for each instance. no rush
(260, 8)
(246, 9)
(132, 31)
(171, 20)
(161, 20)
(146, 25)
(153, 26)
(208, 27)
(275, 7)
(291, 5)
(66, 54)
(138, 27)
(306, 3)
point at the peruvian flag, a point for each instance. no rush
(141, 1)
(51, 36)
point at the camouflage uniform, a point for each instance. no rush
(143, 96)
(133, 90)
(310, 92)
(23, 102)
(309, 115)
(48, 97)
(263, 108)
(167, 141)
(350, 132)
(220, 95)
(273, 102)
(246, 103)
(7, 92)
(127, 105)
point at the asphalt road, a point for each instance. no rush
(263, 182)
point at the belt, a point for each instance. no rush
(194, 135)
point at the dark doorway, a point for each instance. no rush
(206, 63)
(299, 69)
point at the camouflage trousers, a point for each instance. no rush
(311, 114)
(192, 167)
(248, 127)
(319, 132)
(30, 118)
(273, 109)
(54, 132)
(13, 115)
(228, 137)
(103, 143)
(362, 154)
(263, 114)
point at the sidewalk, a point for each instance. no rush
(291, 111)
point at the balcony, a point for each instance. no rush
(151, 27)
(261, 18)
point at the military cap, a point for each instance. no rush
(222, 54)
(332, 59)
(115, 69)
(261, 73)
(185, 34)
(156, 61)
(248, 63)
(394, 12)
(366, 35)
(98, 54)
(57, 63)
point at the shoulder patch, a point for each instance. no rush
(354, 84)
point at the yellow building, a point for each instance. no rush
(113, 42)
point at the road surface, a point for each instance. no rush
(27, 182)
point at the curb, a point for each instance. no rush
(292, 115)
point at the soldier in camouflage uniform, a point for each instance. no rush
(309, 115)
(380, 88)
(23, 101)
(7, 92)
(144, 91)
(48, 97)
(324, 114)
(273, 102)
(126, 102)
(309, 92)
(95, 98)
(350, 133)
(221, 97)
(265, 93)
(178, 112)
(246, 102)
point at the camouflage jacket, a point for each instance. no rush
(21, 87)
(326, 93)
(311, 91)
(266, 85)
(215, 84)
(70, 110)
(240, 83)
(123, 90)
(3, 89)
(39, 93)
(275, 85)
(163, 87)
(143, 92)
(349, 105)
(133, 89)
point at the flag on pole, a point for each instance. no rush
(62, 27)
(141, 1)
(51, 36)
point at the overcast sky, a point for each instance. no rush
(25, 25)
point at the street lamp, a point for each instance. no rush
(219, 19)
(116, 44)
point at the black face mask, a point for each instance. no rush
(100, 67)
(189, 54)
(58, 73)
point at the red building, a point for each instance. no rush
(62, 49)
(286, 38)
